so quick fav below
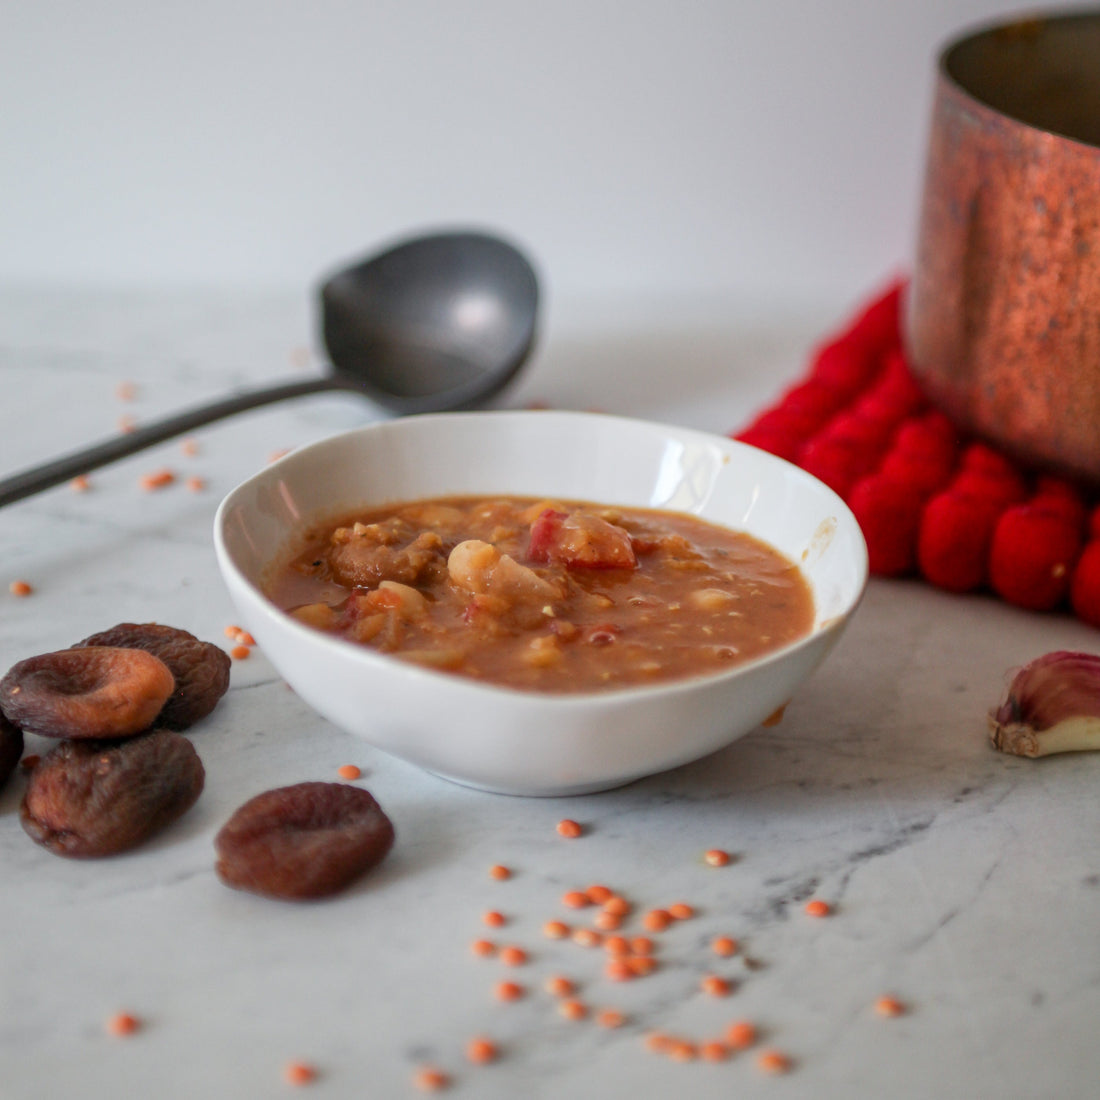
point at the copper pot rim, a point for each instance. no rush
(1019, 27)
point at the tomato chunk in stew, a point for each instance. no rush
(546, 595)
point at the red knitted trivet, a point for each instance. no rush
(930, 501)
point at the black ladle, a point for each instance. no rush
(430, 324)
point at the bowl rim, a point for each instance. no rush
(608, 697)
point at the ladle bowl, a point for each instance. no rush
(430, 324)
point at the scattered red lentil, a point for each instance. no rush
(195, 484)
(680, 911)
(499, 872)
(484, 948)
(715, 857)
(122, 1023)
(587, 937)
(610, 1017)
(569, 828)
(513, 956)
(573, 1010)
(299, 1073)
(657, 920)
(641, 965)
(481, 1051)
(493, 918)
(741, 1034)
(575, 899)
(244, 638)
(20, 588)
(430, 1079)
(714, 1050)
(240, 652)
(724, 946)
(559, 986)
(773, 1061)
(716, 986)
(189, 447)
(642, 945)
(617, 945)
(889, 1006)
(598, 894)
(508, 991)
(157, 479)
(658, 1042)
(607, 922)
(683, 1051)
(349, 771)
(619, 969)
(80, 483)
(232, 630)
(818, 908)
(125, 391)
(126, 424)
(555, 930)
(617, 906)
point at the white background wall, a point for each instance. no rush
(749, 150)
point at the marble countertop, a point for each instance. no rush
(965, 883)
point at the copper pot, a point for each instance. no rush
(1003, 315)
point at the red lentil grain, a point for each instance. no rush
(123, 1023)
(156, 479)
(499, 872)
(508, 991)
(641, 965)
(557, 985)
(818, 908)
(482, 1051)
(569, 828)
(555, 930)
(349, 771)
(683, 1051)
(657, 920)
(240, 653)
(741, 1034)
(575, 899)
(889, 1006)
(299, 1073)
(658, 1042)
(125, 391)
(513, 956)
(244, 638)
(681, 911)
(617, 945)
(232, 630)
(126, 424)
(642, 945)
(484, 948)
(189, 447)
(610, 1017)
(493, 918)
(573, 1010)
(587, 937)
(773, 1061)
(80, 483)
(715, 986)
(195, 484)
(619, 969)
(607, 922)
(617, 906)
(20, 588)
(598, 894)
(430, 1079)
(715, 857)
(724, 946)
(714, 1050)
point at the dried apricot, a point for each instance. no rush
(97, 692)
(95, 798)
(11, 748)
(304, 841)
(201, 668)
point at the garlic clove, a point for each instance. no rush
(1052, 705)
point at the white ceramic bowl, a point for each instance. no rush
(519, 742)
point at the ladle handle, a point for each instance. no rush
(34, 480)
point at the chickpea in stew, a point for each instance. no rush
(546, 595)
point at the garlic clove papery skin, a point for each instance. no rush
(1052, 705)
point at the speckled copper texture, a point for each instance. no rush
(1003, 315)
